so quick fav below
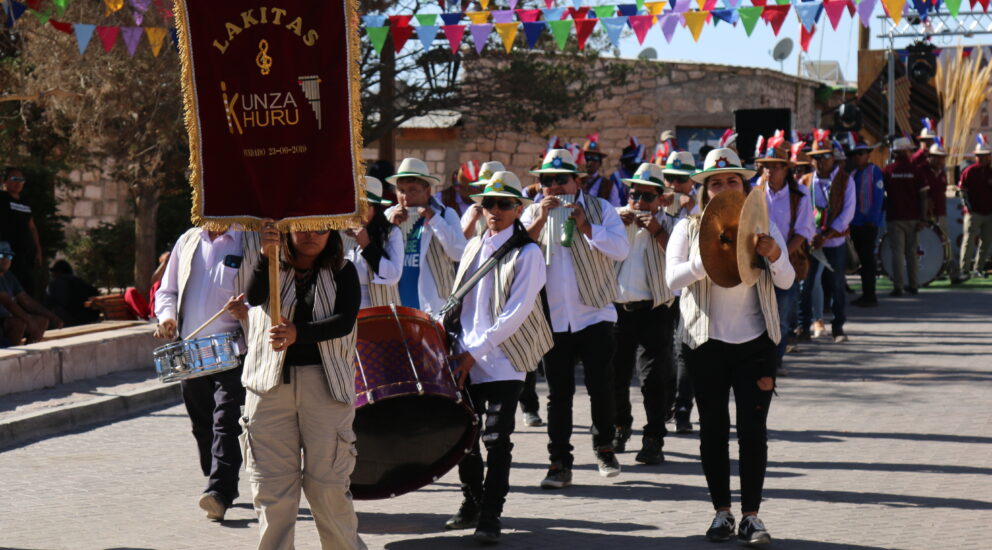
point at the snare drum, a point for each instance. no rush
(188, 359)
(932, 251)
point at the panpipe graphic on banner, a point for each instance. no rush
(272, 101)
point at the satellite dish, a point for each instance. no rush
(782, 49)
(648, 53)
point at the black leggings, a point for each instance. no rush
(715, 367)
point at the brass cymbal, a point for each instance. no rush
(754, 220)
(718, 238)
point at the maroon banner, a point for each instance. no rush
(272, 111)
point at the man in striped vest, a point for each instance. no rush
(504, 333)
(432, 234)
(582, 237)
(644, 330)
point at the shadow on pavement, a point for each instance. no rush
(828, 436)
(422, 523)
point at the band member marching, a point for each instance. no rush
(433, 238)
(581, 290)
(644, 331)
(205, 273)
(593, 182)
(376, 250)
(504, 333)
(473, 222)
(300, 377)
(728, 338)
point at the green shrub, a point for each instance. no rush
(104, 255)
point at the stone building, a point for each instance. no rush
(93, 199)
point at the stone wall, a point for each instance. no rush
(93, 199)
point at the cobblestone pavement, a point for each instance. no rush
(883, 442)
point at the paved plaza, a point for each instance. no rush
(883, 442)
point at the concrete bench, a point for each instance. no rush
(63, 360)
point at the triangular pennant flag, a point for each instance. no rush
(655, 8)
(669, 22)
(604, 11)
(700, 4)
(549, 3)
(583, 28)
(749, 17)
(427, 34)
(731, 4)
(808, 13)
(695, 21)
(894, 9)
(922, 7)
(454, 34)
(59, 25)
(138, 17)
(113, 5)
(377, 36)
(834, 9)
(502, 16)
(681, 6)
(478, 17)
(852, 8)
(640, 5)
(60, 6)
(174, 35)
(508, 32)
(131, 36)
(43, 16)
(641, 25)
(426, 19)
(484, 4)
(560, 30)
(865, 7)
(985, 5)
(627, 10)
(578, 13)
(140, 5)
(726, 15)
(614, 26)
(953, 6)
(451, 18)
(480, 32)
(532, 31)
(401, 34)
(528, 16)
(761, 3)
(400, 20)
(15, 11)
(108, 35)
(776, 15)
(155, 37)
(374, 20)
(553, 14)
(805, 36)
(84, 33)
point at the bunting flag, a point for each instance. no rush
(953, 6)
(426, 19)
(427, 34)
(455, 34)
(602, 12)
(894, 9)
(14, 10)
(377, 36)
(578, 13)
(113, 5)
(695, 21)
(108, 35)
(553, 14)
(865, 7)
(507, 32)
(641, 25)
(533, 31)
(805, 36)
(373, 20)
(502, 16)
(560, 31)
(614, 26)
(155, 37)
(84, 33)
(655, 8)
(749, 17)
(480, 33)
(775, 15)
(669, 21)
(835, 9)
(400, 20)
(583, 28)
(60, 26)
(451, 18)
(922, 7)
(42, 16)
(484, 4)
(528, 16)
(478, 17)
(731, 4)
(726, 15)
(131, 36)
(809, 13)
(401, 34)
(627, 10)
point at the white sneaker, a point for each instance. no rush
(840, 338)
(819, 329)
(532, 420)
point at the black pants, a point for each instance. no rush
(528, 397)
(644, 338)
(214, 405)
(498, 401)
(864, 237)
(683, 383)
(594, 346)
(716, 367)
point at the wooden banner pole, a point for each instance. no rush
(275, 307)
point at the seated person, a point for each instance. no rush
(31, 319)
(139, 306)
(67, 294)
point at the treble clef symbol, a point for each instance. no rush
(263, 60)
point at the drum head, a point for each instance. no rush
(932, 252)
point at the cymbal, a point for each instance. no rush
(718, 238)
(754, 220)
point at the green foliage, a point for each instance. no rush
(104, 255)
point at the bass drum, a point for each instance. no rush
(413, 424)
(932, 251)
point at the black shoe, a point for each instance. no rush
(958, 280)
(912, 291)
(468, 513)
(896, 293)
(650, 452)
(865, 301)
(607, 462)
(620, 439)
(722, 527)
(753, 532)
(558, 477)
(682, 423)
(488, 530)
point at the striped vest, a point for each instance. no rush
(654, 262)
(676, 206)
(532, 340)
(379, 295)
(694, 304)
(594, 271)
(189, 243)
(263, 365)
(438, 263)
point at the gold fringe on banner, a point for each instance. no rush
(254, 223)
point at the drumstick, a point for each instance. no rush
(204, 325)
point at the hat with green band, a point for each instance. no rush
(557, 161)
(680, 163)
(503, 184)
(413, 168)
(373, 191)
(487, 171)
(647, 174)
(722, 161)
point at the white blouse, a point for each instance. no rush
(390, 268)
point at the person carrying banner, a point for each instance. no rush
(376, 250)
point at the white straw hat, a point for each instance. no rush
(557, 161)
(647, 174)
(721, 161)
(413, 168)
(373, 191)
(503, 184)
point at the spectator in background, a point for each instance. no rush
(141, 308)
(869, 188)
(17, 228)
(30, 319)
(67, 294)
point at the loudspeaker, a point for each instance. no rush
(751, 123)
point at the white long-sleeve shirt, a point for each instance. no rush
(390, 268)
(735, 314)
(821, 199)
(568, 313)
(209, 287)
(481, 334)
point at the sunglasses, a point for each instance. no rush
(645, 196)
(547, 180)
(6, 255)
(821, 157)
(676, 179)
(16, 178)
(503, 203)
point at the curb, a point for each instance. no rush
(41, 424)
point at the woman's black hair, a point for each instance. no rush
(331, 257)
(379, 228)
